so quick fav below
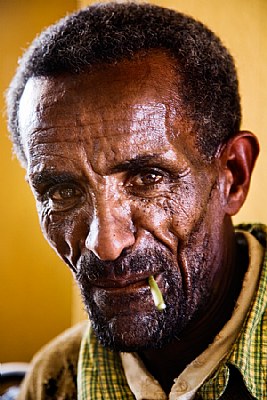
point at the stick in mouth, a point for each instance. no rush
(156, 293)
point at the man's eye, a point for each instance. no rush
(146, 179)
(64, 194)
(61, 198)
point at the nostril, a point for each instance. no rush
(125, 252)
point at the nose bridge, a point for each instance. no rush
(111, 229)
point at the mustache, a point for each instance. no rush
(149, 261)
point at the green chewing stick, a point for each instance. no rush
(156, 293)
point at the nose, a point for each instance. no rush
(111, 231)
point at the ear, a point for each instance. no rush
(236, 162)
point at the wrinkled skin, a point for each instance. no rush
(123, 193)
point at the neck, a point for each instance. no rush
(167, 363)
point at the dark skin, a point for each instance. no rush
(115, 170)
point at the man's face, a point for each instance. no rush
(123, 193)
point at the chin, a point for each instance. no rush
(129, 333)
(137, 332)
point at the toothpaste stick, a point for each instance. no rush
(156, 293)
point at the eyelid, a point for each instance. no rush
(64, 204)
(50, 189)
(152, 170)
(169, 178)
(160, 177)
(59, 187)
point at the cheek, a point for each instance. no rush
(184, 216)
(66, 233)
(177, 215)
(168, 219)
(185, 208)
(192, 205)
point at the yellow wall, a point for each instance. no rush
(35, 287)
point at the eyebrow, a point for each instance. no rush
(137, 163)
(51, 177)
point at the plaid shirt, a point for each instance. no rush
(249, 354)
(101, 374)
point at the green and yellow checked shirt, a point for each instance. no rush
(101, 374)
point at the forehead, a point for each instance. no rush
(142, 78)
(134, 102)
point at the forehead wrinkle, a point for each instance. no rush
(151, 115)
(148, 111)
(146, 118)
(105, 150)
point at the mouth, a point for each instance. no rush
(125, 296)
(118, 284)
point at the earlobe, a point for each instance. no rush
(237, 159)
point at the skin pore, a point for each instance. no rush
(123, 193)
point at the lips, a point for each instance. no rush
(117, 296)
(122, 283)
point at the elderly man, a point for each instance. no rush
(127, 120)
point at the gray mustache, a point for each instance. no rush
(149, 261)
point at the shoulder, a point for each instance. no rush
(66, 344)
(53, 370)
